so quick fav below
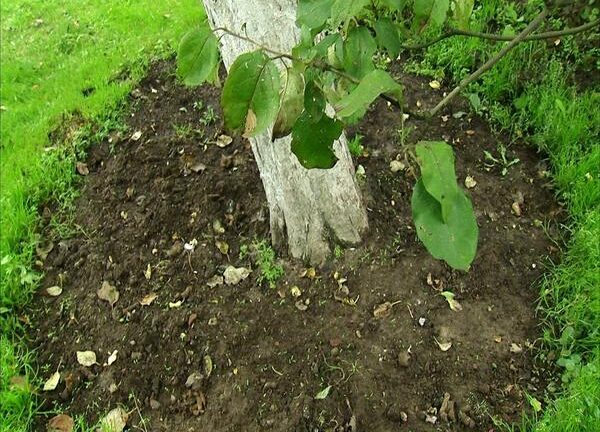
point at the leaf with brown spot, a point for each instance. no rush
(60, 423)
(108, 292)
(250, 124)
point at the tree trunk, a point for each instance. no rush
(308, 207)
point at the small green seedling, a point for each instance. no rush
(501, 161)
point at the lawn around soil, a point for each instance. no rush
(561, 119)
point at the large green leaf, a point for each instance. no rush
(359, 48)
(313, 13)
(431, 11)
(312, 142)
(388, 36)
(314, 101)
(250, 96)
(292, 104)
(371, 86)
(343, 10)
(462, 13)
(436, 160)
(198, 56)
(453, 240)
(394, 5)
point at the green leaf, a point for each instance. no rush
(250, 96)
(312, 142)
(388, 37)
(313, 13)
(394, 5)
(323, 393)
(453, 240)
(292, 104)
(431, 11)
(436, 160)
(359, 48)
(198, 56)
(314, 101)
(343, 10)
(462, 13)
(371, 86)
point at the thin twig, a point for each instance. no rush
(491, 62)
(278, 54)
(502, 38)
(320, 65)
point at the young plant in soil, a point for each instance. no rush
(295, 84)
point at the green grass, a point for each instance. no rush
(79, 62)
(63, 64)
(531, 93)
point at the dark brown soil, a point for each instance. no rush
(143, 200)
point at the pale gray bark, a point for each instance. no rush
(307, 207)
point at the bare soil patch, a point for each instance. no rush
(247, 357)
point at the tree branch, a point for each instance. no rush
(501, 38)
(318, 64)
(491, 62)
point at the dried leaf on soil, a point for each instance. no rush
(396, 166)
(208, 365)
(444, 346)
(148, 299)
(224, 140)
(218, 227)
(136, 136)
(470, 182)
(60, 423)
(175, 305)
(454, 305)
(309, 273)
(43, 250)
(301, 305)
(86, 358)
(52, 382)
(112, 358)
(295, 291)
(214, 281)
(323, 393)
(148, 272)
(435, 84)
(234, 276)
(222, 246)
(384, 309)
(114, 421)
(516, 348)
(54, 291)
(82, 168)
(108, 292)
